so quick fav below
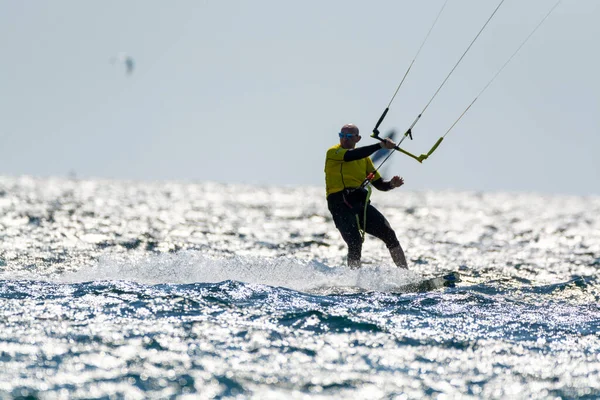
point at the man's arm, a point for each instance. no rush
(361, 152)
(384, 186)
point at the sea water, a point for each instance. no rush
(112, 289)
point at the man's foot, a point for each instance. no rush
(353, 263)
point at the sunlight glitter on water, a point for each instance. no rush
(154, 290)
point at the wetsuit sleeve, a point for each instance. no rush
(382, 185)
(361, 152)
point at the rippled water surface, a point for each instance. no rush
(167, 290)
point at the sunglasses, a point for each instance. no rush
(347, 135)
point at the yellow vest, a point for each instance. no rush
(340, 174)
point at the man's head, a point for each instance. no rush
(349, 136)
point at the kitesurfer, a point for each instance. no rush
(127, 60)
(346, 168)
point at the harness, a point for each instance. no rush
(347, 192)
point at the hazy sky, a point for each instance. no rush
(256, 91)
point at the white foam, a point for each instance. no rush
(192, 267)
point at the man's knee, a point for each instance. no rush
(389, 237)
(391, 241)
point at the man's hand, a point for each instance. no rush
(396, 181)
(387, 143)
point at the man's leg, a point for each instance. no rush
(378, 226)
(398, 256)
(345, 222)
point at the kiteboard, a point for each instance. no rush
(426, 285)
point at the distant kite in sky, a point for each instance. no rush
(126, 60)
